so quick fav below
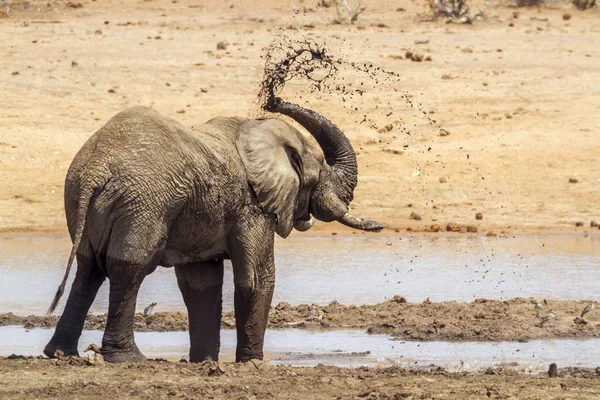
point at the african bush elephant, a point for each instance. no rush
(146, 191)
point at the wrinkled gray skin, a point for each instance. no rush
(146, 191)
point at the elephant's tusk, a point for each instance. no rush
(360, 223)
(303, 226)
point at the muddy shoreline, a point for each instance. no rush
(481, 320)
(73, 377)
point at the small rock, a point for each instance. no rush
(452, 227)
(182, 111)
(471, 228)
(446, 77)
(444, 132)
(553, 371)
(72, 4)
(221, 46)
(566, 16)
(573, 180)
(333, 233)
(98, 32)
(578, 223)
(479, 216)
(435, 228)
(111, 91)
(14, 73)
(95, 359)
(415, 216)
(443, 180)
(398, 299)
(593, 224)
(106, 22)
(74, 63)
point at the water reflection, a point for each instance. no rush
(343, 347)
(352, 270)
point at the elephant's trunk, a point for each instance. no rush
(337, 149)
(360, 223)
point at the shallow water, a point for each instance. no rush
(302, 347)
(351, 270)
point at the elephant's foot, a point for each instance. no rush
(67, 349)
(121, 356)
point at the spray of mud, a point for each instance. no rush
(325, 74)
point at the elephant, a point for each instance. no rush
(145, 191)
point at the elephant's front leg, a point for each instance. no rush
(254, 277)
(201, 285)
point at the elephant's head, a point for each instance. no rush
(292, 180)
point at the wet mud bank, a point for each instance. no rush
(74, 377)
(481, 320)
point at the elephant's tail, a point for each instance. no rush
(84, 201)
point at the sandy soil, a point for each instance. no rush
(72, 378)
(513, 320)
(517, 92)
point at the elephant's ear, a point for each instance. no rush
(272, 152)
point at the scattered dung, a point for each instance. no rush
(415, 216)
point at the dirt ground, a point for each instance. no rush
(517, 91)
(512, 320)
(71, 378)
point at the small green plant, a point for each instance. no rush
(347, 14)
(583, 4)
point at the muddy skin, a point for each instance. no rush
(481, 320)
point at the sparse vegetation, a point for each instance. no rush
(583, 4)
(347, 14)
(529, 3)
(455, 10)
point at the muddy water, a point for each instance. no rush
(343, 347)
(351, 270)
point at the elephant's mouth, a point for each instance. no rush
(304, 223)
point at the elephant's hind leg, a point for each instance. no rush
(128, 261)
(201, 285)
(87, 281)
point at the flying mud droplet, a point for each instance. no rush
(286, 60)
